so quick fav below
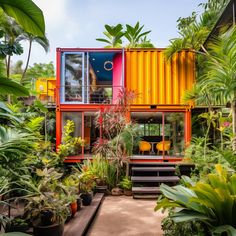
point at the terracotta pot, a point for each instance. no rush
(73, 207)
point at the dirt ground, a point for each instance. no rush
(127, 217)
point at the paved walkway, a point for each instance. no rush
(127, 217)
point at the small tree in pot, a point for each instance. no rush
(126, 185)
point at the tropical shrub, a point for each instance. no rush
(70, 144)
(126, 183)
(119, 134)
(187, 228)
(210, 203)
(99, 168)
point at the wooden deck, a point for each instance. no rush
(134, 158)
(83, 218)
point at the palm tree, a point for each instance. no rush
(11, 30)
(113, 36)
(135, 34)
(193, 30)
(42, 41)
(219, 77)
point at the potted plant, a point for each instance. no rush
(86, 185)
(46, 209)
(72, 199)
(71, 184)
(126, 185)
(98, 168)
(17, 224)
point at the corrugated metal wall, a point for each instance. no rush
(157, 81)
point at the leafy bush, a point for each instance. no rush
(69, 144)
(187, 228)
(211, 203)
(126, 183)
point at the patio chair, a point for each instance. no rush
(144, 146)
(163, 146)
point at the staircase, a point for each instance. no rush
(147, 177)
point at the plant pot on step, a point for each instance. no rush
(50, 230)
(87, 198)
(73, 207)
(79, 204)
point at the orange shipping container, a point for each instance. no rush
(156, 80)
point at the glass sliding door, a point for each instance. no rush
(91, 132)
(174, 132)
(163, 130)
(73, 76)
(77, 118)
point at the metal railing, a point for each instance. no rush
(92, 94)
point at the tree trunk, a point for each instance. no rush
(8, 66)
(8, 62)
(27, 62)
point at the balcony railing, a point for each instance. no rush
(93, 94)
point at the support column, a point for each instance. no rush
(187, 127)
(58, 127)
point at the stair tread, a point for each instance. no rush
(160, 169)
(155, 178)
(145, 189)
(155, 163)
(145, 196)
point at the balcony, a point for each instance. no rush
(92, 94)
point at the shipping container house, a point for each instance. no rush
(88, 80)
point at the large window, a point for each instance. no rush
(163, 128)
(72, 84)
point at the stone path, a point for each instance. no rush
(127, 217)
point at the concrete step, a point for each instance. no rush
(153, 190)
(158, 179)
(156, 169)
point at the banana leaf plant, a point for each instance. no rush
(27, 14)
(212, 203)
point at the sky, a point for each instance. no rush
(77, 23)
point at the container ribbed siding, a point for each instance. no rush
(156, 80)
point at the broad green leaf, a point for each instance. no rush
(27, 14)
(102, 40)
(164, 203)
(233, 183)
(7, 116)
(8, 86)
(231, 231)
(188, 215)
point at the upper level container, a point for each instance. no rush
(156, 80)
(89, 76)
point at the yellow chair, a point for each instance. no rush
(144, 146)
(163, 147)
